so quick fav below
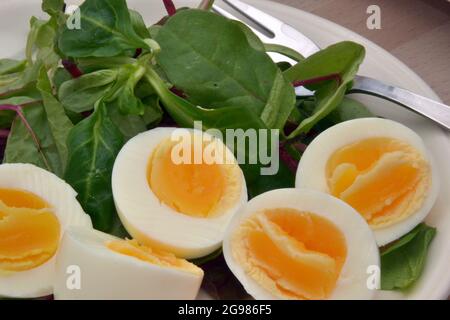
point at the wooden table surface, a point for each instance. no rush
(415, 31)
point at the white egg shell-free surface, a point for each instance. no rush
(38, 282)
(362, 250)
(150, 221)
(311, 172)
(108, 275)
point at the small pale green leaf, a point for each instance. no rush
(93, 146)
(8, 66)
(50, 125)
(53, 7)
(139, 25)
(402, 262)
(81, 94)
(58, 122)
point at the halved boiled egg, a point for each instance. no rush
(95, 265)
(380, 167)
(36, 207)
(177, 189)
(301, 244)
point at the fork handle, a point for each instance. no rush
(436, 111)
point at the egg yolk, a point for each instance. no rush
(199, 190)
(385, 180)
(153, 256)
(29, 231)
(292, 254)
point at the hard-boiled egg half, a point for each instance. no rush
(177, 189)
(96, 265)
(301, 244)
(380, 167)
(36, 207)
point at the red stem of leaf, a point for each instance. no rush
(72, 68)
(4, 133)
(178, 92)
(19, 112)
(170, 7)
(334, 76)
(291, 163)
(301, 147)
(137, 53)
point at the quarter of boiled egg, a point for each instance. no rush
(302, 244)
(378, 166)
(177, 189)
(36, 207)
(95, 265)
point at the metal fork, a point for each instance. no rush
(283, 34)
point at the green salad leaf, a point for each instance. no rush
(106, 30)
(341, 59)
(51, 127)
(210, 58)
(123, 90)
(402, 262)
(348, 109)
(131, 125)
(81, 94)
(58, 122)
(52, 7)
(8, 66)
(16, 83)
(93, 146)
(139, 25)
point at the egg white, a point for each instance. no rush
(152, 222)
(38, 282)
(312, 167)
(108, 275)
(362, 251)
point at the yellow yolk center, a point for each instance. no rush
(292, 254)
(29, 231)
(385, 180)
(153, 256)
(199, 190)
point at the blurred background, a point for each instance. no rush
(415, 31)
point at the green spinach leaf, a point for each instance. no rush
(348, 109)
(81, 94)
(123, 90)
(342, 59)
(131, 125)
(106, 30)
(58, 122)
(17, 83)
(51, 127)
(53, 7)
(93, 146)
(211, 59)
(402, 262)
(8, 66)
(139, 25)
(45, 44)
(7, 116)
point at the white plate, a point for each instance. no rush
(435, 281)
